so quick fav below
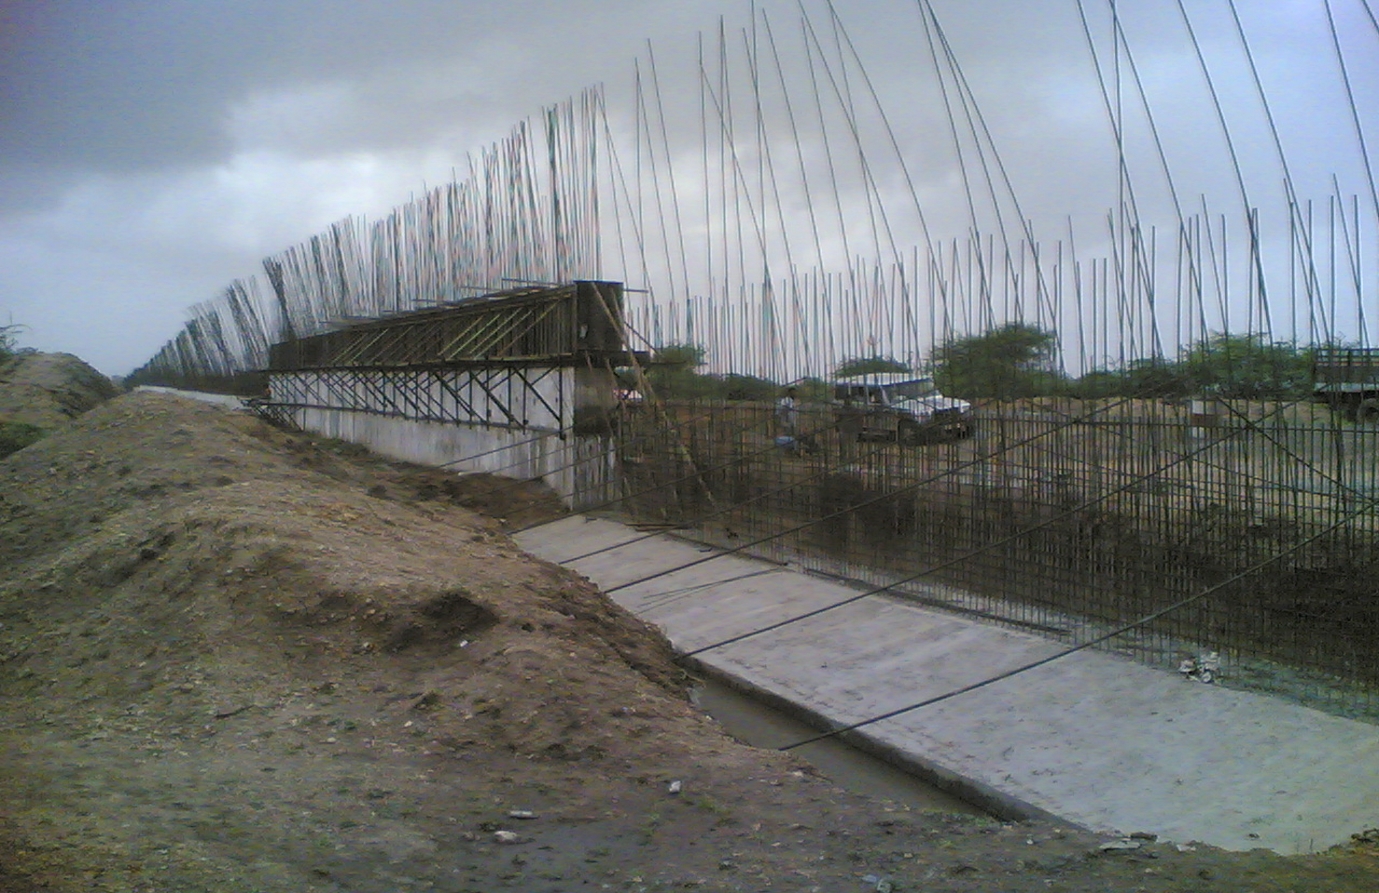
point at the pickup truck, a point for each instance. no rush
(907, 409)
(1347, 378)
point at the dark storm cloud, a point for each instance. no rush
(117, 86)
(156, 84)
(153, 150)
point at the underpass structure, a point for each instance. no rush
(519, 383)
(1148, 471)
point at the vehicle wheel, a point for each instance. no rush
(1367, 412)
(908, 434)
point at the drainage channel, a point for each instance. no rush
(754, 723)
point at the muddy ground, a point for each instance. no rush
(236, 659)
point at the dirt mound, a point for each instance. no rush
(200, 527)
(42, 391)
(234, 659)
(184, 586)
(47, 389)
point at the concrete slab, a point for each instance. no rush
(1098, 740)
(227, 400)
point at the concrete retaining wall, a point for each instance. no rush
(580, 469)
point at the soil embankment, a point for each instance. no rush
(43, 391)
(234, 659)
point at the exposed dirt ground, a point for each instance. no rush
(47, 389)
(234, 659)
(43, 391)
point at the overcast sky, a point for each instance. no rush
(152, 151)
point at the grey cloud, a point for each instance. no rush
(166, 145)
(151, 84)
(145, 83)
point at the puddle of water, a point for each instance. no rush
(752, 722)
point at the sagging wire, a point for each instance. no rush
(1073, 420)
(1143, 621)
(670, 596)
(895, 585)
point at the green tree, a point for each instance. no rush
(1248, 366)
(872, 365)
(746, 387)
(671, 373)
(1149, 377)
(1098, 383)
(812, 389)
(9, 336)
(1014, 360)
(1156, 377)
(679, 356)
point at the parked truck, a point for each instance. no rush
(1347, 378)
(904, 408)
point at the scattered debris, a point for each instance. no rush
(1203, 668)
(427, 701)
